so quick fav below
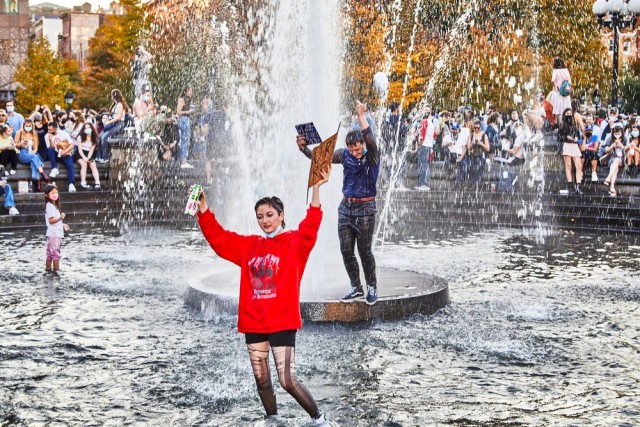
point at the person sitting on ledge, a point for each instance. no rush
(9, 203)
(61, 149)
(614, 152)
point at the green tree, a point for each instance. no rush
(111, 52)
(42, 77)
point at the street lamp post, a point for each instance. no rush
(596, 100)
(616, 15)
(68, 99)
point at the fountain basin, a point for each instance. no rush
(401, 294)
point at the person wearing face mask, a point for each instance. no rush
(271, 269)
(614, 151)
(571, 154)
(141, 106)
(87, 146)
(26, 141)
(590, 146)
(14, 119)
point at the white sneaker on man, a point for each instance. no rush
(13, 172)
(13, 211)
(594, 177)
(186, 165)
(54, 172)
(72, 188)
(323, 421)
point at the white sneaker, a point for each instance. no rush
(54, 172)
(322, 420)
(72, 188)
(13, 211)
(423, 188)
(186, 165)
(13, 172)
(594, 177)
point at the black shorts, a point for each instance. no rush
(276, 339)
(590, 155)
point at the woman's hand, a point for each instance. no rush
(325, 176)
(65, 227)
(202, 201)
(360, 108)
(62, 215)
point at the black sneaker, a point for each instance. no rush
(354, 294)
(372, 295)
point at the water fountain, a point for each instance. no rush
(300, 82)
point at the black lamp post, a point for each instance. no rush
(597, 100)
(616, 15)
(68, 99)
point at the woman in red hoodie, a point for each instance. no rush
(271, 267)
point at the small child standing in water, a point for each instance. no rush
(55, 227)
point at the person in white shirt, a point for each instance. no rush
(456, 146)
(429, 130)
(61, 147)
(55, 228)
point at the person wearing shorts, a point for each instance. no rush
(269, 303)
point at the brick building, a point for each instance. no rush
(14, 42)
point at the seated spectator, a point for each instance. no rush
(76, 118)
(87, 146)
(117, 115)
(9, 203)
(41, 130)
(590, 146)
(61, 150)
(632, 151)
(141, 106)
(14, 119)
(8, 154)
(26, 141)
(614, 154)
(168, 148)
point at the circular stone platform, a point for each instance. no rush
(400, 295)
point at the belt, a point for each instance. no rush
(355, 200)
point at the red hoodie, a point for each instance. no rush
(270, 271)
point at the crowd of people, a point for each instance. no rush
(55, 136)
(469, 142)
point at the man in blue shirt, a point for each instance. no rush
(15, 120)
(590, 145)
(357, 212)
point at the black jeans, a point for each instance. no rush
(357, 230)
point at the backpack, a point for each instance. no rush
(566, 88)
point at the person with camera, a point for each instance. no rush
(590, 146)
(477, 148)
(614, 150)
(357, 212)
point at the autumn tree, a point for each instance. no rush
(42, 76)
(111, 53)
